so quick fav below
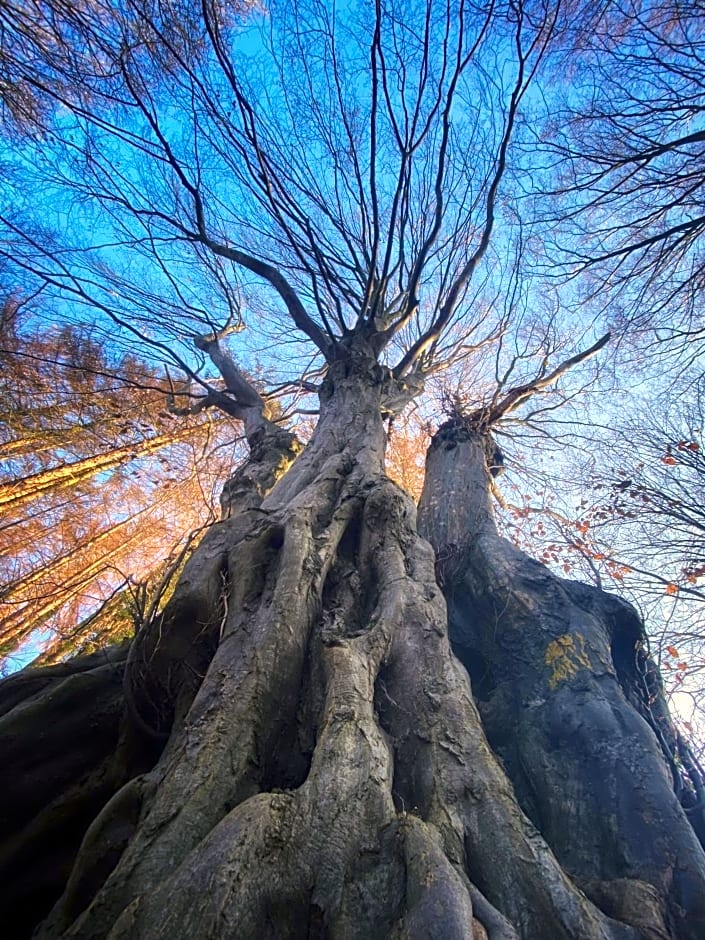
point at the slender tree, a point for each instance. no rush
(290, 746)
(82, 438)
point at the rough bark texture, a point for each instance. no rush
(560, 675)
(59, 730)
(292, 749)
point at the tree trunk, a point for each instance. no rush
(319, 765)
(23, 610)
(59, 730)
(16, 493)
(562, 680)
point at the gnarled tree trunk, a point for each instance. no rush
(567, 698)
(300, 755)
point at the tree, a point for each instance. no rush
(80, 446)
(290, 746)
(640, 521)
(631, 142)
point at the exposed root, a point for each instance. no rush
(438, 905)
(103, 844)
(447, 772)
(58, 733)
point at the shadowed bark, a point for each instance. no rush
(558, 669)
(59, 730)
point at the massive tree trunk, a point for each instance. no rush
(297, 749)
(569, 701)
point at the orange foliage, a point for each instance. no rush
(406, 453)
(99, 482)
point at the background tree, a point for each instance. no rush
(83, 440)
(291, 743)
(638, 523)
(630, 141)
(626, 147)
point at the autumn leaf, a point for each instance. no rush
(669, 460)
(692, 574)
(671, 589)
(672, 651)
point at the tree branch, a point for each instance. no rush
(287, 293)
(516, 397)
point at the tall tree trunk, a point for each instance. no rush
(560, 672)
(16, 493)
(321, 767)
(23, 610)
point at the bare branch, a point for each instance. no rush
(516, 397)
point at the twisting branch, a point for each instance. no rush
(287, 293)
(272, 448)
(213, 398)
(246, 395)
(488, 416)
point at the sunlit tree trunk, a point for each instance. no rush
(16, 493)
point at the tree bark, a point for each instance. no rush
(59, 731)
(557, 670)
(319, 765)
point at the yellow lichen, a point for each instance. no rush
(565, 656)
